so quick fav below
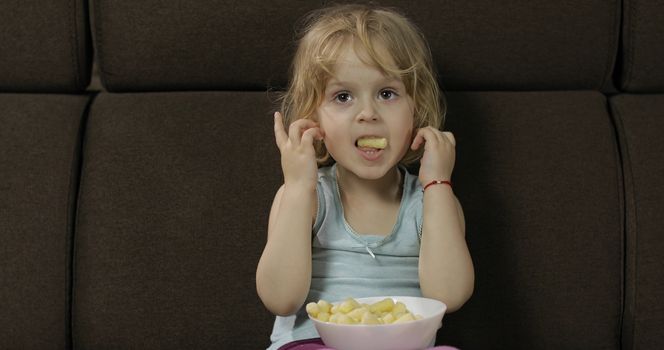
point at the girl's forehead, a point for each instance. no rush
(353, 58)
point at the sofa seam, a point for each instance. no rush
(620, 160)
(612, 45)
(97, 43)
(627, 177)
(75, 185)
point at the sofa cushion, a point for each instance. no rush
(203, 45)
(640, 125)
(538, 176)
(45, 46)
(477, 45)
(643, 46)
(39, 158)
(176, 190)
(534, 45)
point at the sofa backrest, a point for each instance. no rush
(526, 203)
(172, 215)
(479, 45)
(197, 45)
(638, 113)
(134, 217)
(641, 65)
(46, 46)
(44, 69)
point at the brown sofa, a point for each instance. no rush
(133, 205)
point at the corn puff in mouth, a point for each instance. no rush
(372, 142)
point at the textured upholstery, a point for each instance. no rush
(639, 120)
(643, 42)
(134, 205)
(175, 192)
(202, 45)
(478, 45)
(39, 170)
(495, 45)
(530, 177)
(45, 46)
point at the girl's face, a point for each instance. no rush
(360, 102)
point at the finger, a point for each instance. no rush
(310, 134)
(298, 127)
(434, 134)
(279, 131)
(438, 134)
(417, 140)
(450, 137)
(424, 136)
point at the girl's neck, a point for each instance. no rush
(389, 187)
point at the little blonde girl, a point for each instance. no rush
(350, 220)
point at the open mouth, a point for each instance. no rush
(371, 147)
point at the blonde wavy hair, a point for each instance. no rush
(325, 33)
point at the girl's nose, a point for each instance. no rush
(368, 113)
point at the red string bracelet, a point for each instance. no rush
(436, 182)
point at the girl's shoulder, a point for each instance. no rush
(327, 172)
(326, 194)
(411, 183)
(327, 178)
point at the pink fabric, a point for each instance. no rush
(317, 344)
(306, 344)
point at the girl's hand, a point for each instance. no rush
(298, 156)
(439, 154)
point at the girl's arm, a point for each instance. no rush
(283, 275)
(445, 267)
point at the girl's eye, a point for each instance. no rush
(387, 94)
(342, 97)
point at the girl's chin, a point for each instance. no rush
(368, 169)
(368, 172)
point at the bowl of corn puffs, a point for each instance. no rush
(377, 323)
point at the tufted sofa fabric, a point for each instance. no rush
(135, 191)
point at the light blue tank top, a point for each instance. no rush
(346, 264)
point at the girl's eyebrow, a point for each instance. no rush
(331, 84)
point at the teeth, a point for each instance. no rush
(372, 142)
